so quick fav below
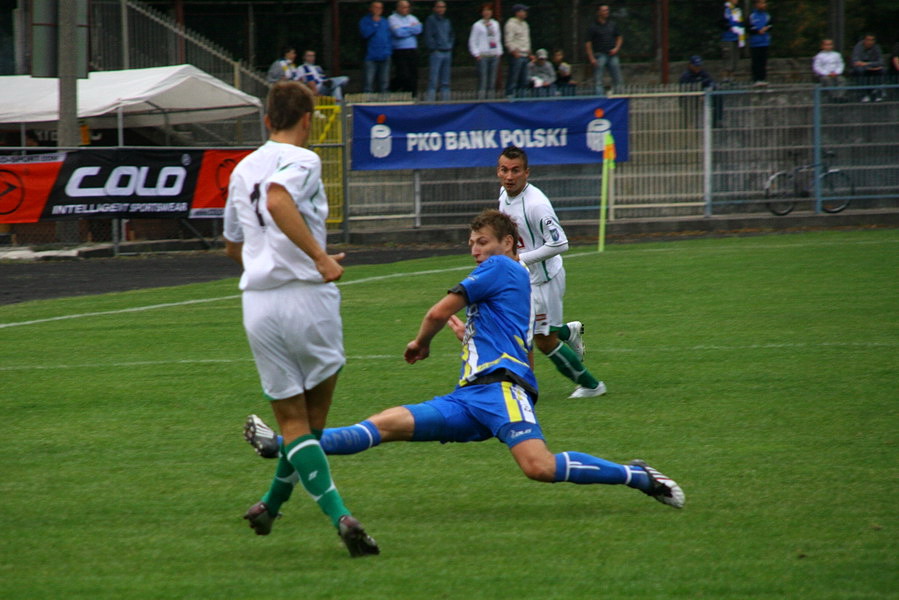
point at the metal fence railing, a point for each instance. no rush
(126, 34)
(692, 153)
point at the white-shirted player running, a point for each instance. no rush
(275, 228)
(541, 242)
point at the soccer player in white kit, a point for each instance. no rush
(541, 241)
(275, 228)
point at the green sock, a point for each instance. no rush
(311, 464)
(282, 486)
(562, 332)
(570, 366)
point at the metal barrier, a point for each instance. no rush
(692, 153)
(131, 35)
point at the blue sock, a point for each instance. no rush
(352, 439)
(581, 468)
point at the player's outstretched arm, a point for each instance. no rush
(435, 319)
(288, 218)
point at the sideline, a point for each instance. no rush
(570, 256)
(398, 357)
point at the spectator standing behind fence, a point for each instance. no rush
(285, 67)
(517, 38)
(379, 47)
(485, 44)
(314, 76)
(405, 29)
(565, 85)
(541, 73)
(696, 74)
(733, 38)
(828, 67)
(867, 66)
(603, 46)
(439, 39)
(759, 42)
(693, 75)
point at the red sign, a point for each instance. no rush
(131, 184)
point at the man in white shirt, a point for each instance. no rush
(275, 229)
(541, 241)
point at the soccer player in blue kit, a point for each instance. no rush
(496, 390)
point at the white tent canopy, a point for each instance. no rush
(139, 97)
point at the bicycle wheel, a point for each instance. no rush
(780, 193)
(836, 191)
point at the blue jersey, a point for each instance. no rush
(498, 293)
(757, 20)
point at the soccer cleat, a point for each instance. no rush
(353, 535)
(662, 488)
(575, 338)
(260, 519)
(261, 437)
(585, 392)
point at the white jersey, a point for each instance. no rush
(538, 226)
(270, 259)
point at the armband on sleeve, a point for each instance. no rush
(459, 289)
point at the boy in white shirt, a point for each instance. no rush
(828, 67)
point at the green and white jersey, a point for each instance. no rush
(538, 226)
(270, 259)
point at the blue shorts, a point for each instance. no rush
(475, 413)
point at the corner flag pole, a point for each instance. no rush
(608, 164)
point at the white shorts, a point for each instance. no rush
(296, 336)
(547, 301)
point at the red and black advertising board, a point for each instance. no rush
(127, 184)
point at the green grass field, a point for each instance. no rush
(759, 372)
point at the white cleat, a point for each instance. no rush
(576, 338)
(585, 392)
(662, 488)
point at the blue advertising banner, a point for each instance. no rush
(473, 134)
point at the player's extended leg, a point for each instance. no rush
(569, 365)
(538, 463)
(392, 425)
(412, 423)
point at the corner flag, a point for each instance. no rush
(608, 164)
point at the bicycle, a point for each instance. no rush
(785, 188)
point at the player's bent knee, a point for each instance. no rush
(539, 471)
(535, 460)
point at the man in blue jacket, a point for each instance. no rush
(759, 40)
(439, 39)
(376, 33)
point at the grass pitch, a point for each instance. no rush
(760, 373)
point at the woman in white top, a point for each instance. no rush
(485, 44)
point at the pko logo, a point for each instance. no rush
(126, 181)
